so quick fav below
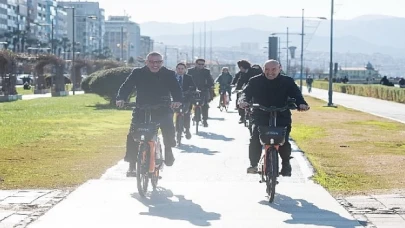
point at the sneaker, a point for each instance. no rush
(169, 157)
(131, 170)
(252, 170)
(205, 124)
(188, 134)
(286, 169)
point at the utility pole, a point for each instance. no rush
(192, 44)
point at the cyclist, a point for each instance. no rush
(204, 82)
(271, 89)
(151, 83)
(187, 84)
(248, 72)
(233, 84)
(309, 83)
(224, 80)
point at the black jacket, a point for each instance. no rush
(202, 78)
(274, 92)
(188, 85)
(151, 87)
(244, 77)
(236, 78)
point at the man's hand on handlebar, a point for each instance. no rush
(303, 108)
(243, 105)
(175, 104)
(120, 103)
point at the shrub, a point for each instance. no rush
(376, 91)
(86, 83)
(106, 83)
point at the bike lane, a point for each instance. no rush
(207, 186)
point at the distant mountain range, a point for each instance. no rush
(366, 34)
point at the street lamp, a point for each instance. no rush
(302, 40)
(74, 44)
(330, 92)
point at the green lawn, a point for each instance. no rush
(59, 142)
(353, 152)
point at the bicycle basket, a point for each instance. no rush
(148, 131)
(266, 133)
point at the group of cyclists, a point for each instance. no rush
(267, 86)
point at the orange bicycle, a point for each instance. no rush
(272, 137)
(223, 100)
(150, 158)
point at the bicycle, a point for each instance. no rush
(309, 87)
(272, 137)
(223, 100)
(150, 157)
(198, 102)
(179, 114)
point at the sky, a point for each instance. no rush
(183, 11)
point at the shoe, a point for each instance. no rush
(169, 157)
(131, 170)
(241, 120)
(188, 134)
(286, 169)
(205, 124)
(252, 170)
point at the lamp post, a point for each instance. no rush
(330, 92)
(302, 40)
(72, 76)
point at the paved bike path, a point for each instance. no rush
(207, 186)
(386, 109)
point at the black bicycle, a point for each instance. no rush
(150, 160)
(198, 102)
(179, 114)
(272, 137)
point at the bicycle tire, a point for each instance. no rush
(271, 173)
(142, 172)
(197, 118)
(179, 128)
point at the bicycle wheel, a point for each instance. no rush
(154, 179)
(142, 172)
(197, 118)
(271, 173)
(179, 128)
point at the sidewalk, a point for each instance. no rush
(386, 109)
(35, 96)
(207, 186)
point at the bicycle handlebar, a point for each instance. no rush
(146, 106)
(274, 109)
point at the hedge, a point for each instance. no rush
(106, 83)
(387, 93)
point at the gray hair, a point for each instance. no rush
(153, 53)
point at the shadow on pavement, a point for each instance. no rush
(213, 136)
(216, 118)
(306, 213)
(195, 149)
(163, 203)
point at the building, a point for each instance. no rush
(146, 46)
(123, 37)
(360, 73)
(88, 21)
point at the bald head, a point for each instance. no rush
(271, 69)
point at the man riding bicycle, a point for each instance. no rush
(248, 72)
(187, 84)
(204, 82)
(271, 89)
(152, 82)
(224, 80)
